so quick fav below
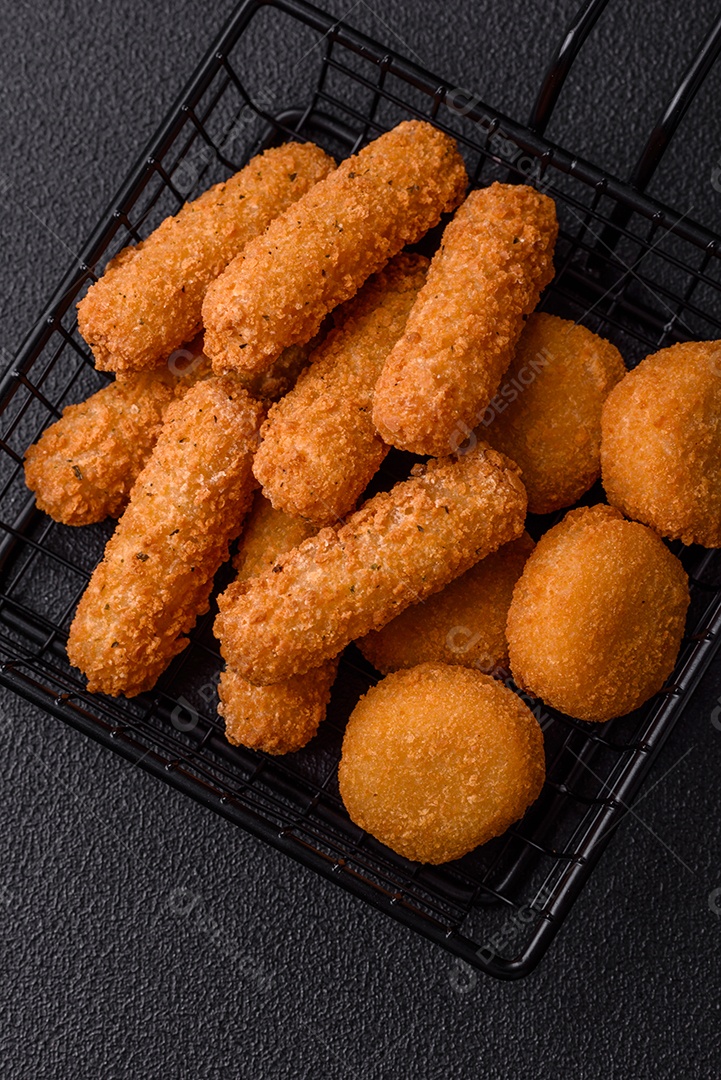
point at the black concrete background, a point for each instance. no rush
(145, 937)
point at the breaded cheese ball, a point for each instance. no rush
(661, 443)
(463, 624)
(597, 616)
(438, 759)
(547, 413)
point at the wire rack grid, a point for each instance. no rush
(627, 267)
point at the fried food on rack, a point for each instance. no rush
(185, 508)
(319, 446)
(400, 547)
(148, 301)
(319, 252)
(277, 719)
(661, 443)
(439, 759)
(547, 413)
(495, 259)
(464, 623)
(285, 716)
(83, 466)
(597, 616)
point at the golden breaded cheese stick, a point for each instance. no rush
(319, 447)
(495, 258)
(284, 717)
(149, 299)
(464, 623)
(399, 548)
(83, 466)
(277, 719)
(185, 508)
(320, 251)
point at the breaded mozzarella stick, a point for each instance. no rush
(185, 508)
(319, 446)
(399, 548)
(495, 258)
(284, 717)
(83, 467)
(319, 252)
(149, 299)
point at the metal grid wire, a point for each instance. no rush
(627, 268)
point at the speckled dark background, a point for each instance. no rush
(270, 972)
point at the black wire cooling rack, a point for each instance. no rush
(627, 267)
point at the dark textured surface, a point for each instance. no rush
(145, 937)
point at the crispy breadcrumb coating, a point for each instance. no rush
(319, 252)
(547, 413)
(400, 547)
(284, 717)
(319, 446)
(597, 616)
(277, 719)
(185, 508)
(464, 623)
(83, 466)
(437, 760)
(661, 443)
(268, 533)
(148, 302)
(495, 259)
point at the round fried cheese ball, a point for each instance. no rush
(547, 415)
(597, 616)
(439, 759)
(661, 443)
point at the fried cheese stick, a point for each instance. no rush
(399, 548)
(319, 446)
(285, 716)
(320, 251)
(185, 508)
(495, 258)
(149, 299)
(83, 466)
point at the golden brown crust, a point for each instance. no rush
(267, 534)
(597, 616)
(185, 508)
(437, 760)
(83, 466)
(496, 257)
(320, 251)
(661, 443)
(400, 547)
(464, 623)
(149, 300)
(319, 446)
(285, 716)
(547, 413)
(277, 719)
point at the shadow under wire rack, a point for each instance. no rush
(628, 267)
